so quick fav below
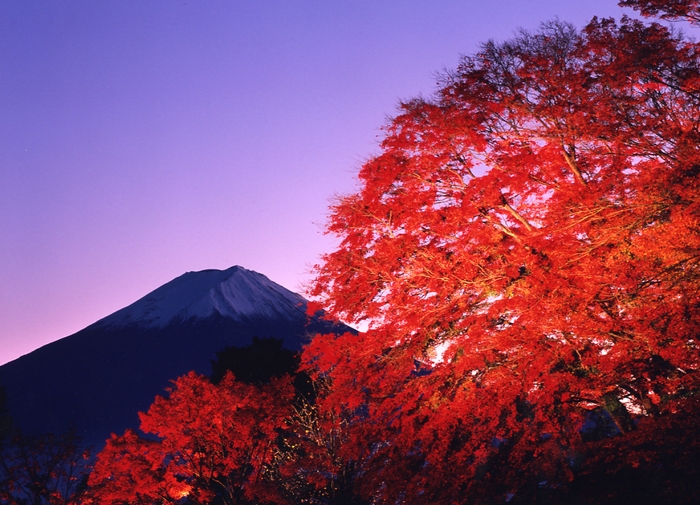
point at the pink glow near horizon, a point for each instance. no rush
(141, 140)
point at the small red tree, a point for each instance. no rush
(214, 445)
(130, 470)
(526, 250)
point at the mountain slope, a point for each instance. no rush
(236, 294)
(99, 378)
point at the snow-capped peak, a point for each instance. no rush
(234, 293)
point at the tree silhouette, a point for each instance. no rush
(526, 252)
(256, 363)
(43, 469)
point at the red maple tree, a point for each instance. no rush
(526, 252)
(214, 444)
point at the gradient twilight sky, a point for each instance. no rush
(142, 139)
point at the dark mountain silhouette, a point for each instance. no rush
(99, 378)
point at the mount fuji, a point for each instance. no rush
(235, 294)
(99, 378)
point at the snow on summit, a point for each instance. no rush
(234, 293)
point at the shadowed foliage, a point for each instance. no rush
(256, 363)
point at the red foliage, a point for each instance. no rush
(667, 9)
(526, 249)
(214, 444)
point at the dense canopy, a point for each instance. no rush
(526, 252)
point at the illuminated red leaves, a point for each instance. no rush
(666, 9)
(213, 440)
(525, 249)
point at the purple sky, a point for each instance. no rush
(143, 139)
